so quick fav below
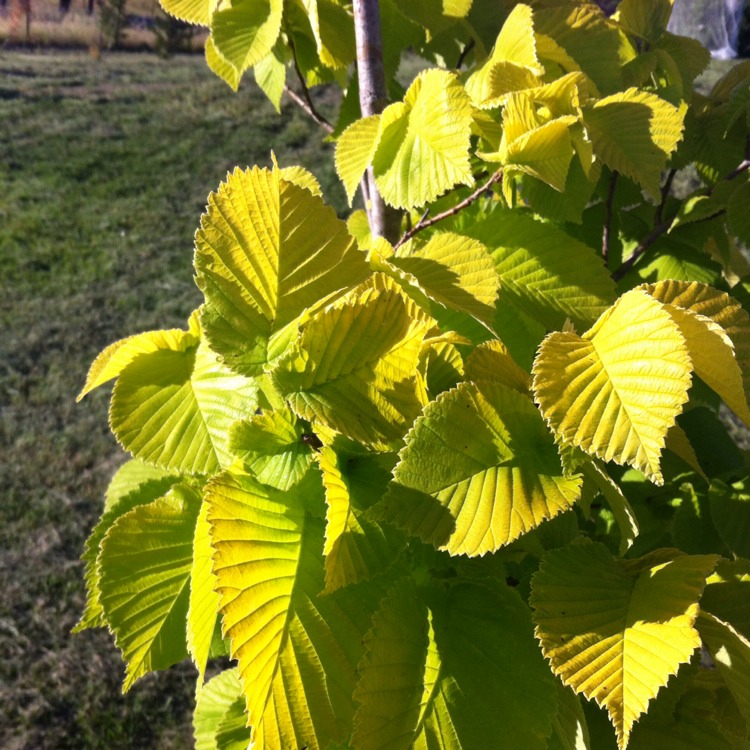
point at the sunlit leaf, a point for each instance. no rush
(267, 249)
(145, 563)
(423, 147)
(616, 390)
(219, 700)
(492, 362)
(193, 11)
(479, 470)
(355, 149)
(616, 630)
(173, 408)
(355, 367)
(222, 67)
(270, 75)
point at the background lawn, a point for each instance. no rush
(105, 166)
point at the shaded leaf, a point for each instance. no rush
(218, 700)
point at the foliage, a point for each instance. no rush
(430, 491)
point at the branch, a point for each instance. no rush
(468, 47)
(608, 215)
(665, 188)
(305, 101)
(663, 226)
(424, 222)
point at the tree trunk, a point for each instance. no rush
(384, 221)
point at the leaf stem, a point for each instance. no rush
(426, 222)
(607, 228)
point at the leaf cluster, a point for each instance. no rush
(432, 492)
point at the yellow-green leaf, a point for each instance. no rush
(270, 75)
(203, 604)
(356, 547)
(355, 149)
(333, 28)
(635, 132)
(218, 702)
(616, 630)
(479, 470)
(616, 390)
(355, 366)
(513, 64)
(145, 562)
(246, 31)
(646, 19)
(423, 144)
(221, 66)
(267, 249)
(173, 408)
(492, 361)
(198, 12)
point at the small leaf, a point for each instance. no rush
(635, 132)
(218, 700)
(272, 448)
(270, 75)
(355, 149)
(174, 409)
(730, 511)
(245, 32)
(479, 470)
(616, 391)
(145, 561)
(355, 366)
(616, 630)
(423, 145)
(222, 67)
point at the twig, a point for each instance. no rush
(607, 228)
(305, 101)
(665, 188)
(424, 222)
(662, 227)
(468, 47)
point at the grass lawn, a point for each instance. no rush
(105, 167)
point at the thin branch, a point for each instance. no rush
(665, 188)
(608, 215)
(425, 222)
(305, 101)
(662, 227)
(468, 47)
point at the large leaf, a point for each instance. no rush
(438, 660)
(356, 547)
(544, 272)
(423, 147)
(513, 64)
(616, 390)
(218, 703)
(355, 366)
(198, 12)
(333, 29)
(635, 132)
(245, 31)
(616, 630)
(173, 408)
(145, 563)
(267, 249)
(297, 651)
(479, 470)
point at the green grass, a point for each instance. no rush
(105, 167)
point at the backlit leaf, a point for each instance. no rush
(492, 361)
(193, 11)
(355, 366)
(145, 561)
(479, 470)
(246, 31)
(616, 630)
(218, 700)
(222, 67)
(616, 390)
(297, 651)
(267, 249)
(423, 146)
(635, 132)
(355, 149)
(270, 75)
(174, 409)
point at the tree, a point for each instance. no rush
(455, 488)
